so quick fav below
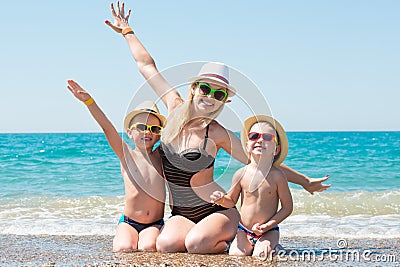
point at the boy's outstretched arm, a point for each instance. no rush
(312, 185)
(144, 60)
(108, 128)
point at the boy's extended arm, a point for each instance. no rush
(144, 60)
(108, 128)
(309, 184)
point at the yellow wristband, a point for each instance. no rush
(223, 200)
(126, 31)
(89, 101)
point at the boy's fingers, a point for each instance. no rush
(70, 84)
(324, 188)
(324, 178)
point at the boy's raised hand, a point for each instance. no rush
(216, 196)
(120, 19)
(78, 91)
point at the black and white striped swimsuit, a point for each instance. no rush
(179, 169)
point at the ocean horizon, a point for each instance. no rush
(70, 184)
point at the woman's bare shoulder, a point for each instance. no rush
(216, 127)
(217, 131)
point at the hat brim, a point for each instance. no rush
(283, 141)
(231, 89)
(134, 113)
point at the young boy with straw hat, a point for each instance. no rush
(141, 170)
(261, 186)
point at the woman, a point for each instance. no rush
(189, 144)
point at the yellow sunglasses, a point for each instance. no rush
(141, 127)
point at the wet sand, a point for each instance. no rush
(16, 250)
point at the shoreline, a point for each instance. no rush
(48, 250)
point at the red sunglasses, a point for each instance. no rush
(265, 136)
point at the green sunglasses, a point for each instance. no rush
(205, 89)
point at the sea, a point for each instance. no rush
(70, 184)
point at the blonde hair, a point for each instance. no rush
(181, 116)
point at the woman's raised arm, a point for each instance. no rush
(144, 61)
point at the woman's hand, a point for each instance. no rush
(120, 19)
(78, 91)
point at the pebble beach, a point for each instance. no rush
(47, 250)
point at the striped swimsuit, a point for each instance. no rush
(179, 168)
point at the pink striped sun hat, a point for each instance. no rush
(215, 72)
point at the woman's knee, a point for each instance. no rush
(166, 243)
(172, 236)
(162, 243)
(199, 242)
(195, 241)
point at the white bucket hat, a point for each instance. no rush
(215, 72)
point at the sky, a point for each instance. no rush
(320, 65)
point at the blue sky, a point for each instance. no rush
(322, 65)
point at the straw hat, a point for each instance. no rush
(146, 107)
(215, 72)
(282, 138)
